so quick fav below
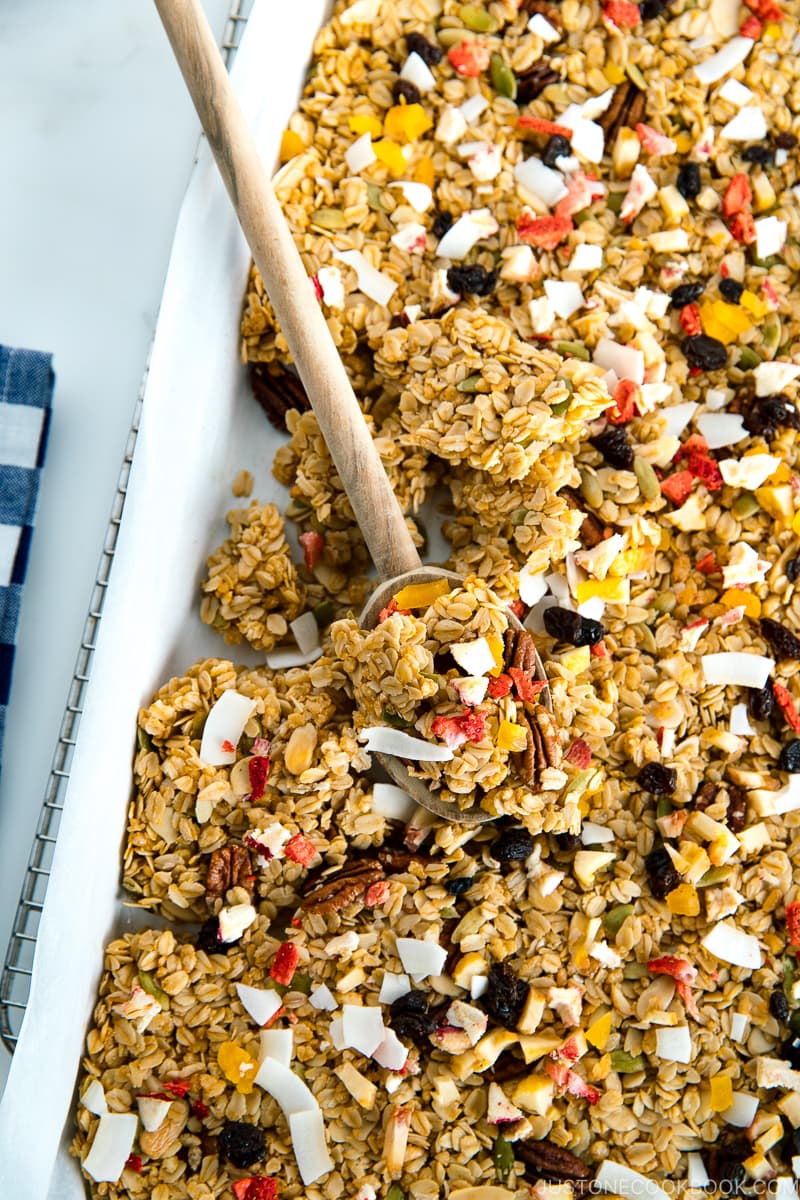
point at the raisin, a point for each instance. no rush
(731, 290)
(441, 223)
(761, 703)
(661, 874)
(417, 44)
(687, 293)
(410, 1019)
(208, 938)
(505, 996)
(736, 814)
(705, 795)
(514, 845)
(707, 353)
(779, 1005)
(790, 1051)
(557, 147)
(242, 1144)
(781, 639)
(688, 181)
(615, 447)
(790, 757)
(403, 90)
(656, 778)
(566, 843)
(786, 141)
(759, 153)
(792, 569)
(475, 279)
(457, 887)
(724, 1163)
(412, 1002)
(651, 9)
(571, 627)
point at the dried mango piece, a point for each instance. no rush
(724, 321)
(365, 123)
(734, 597)
(683, 901)
(496, 647)
(613, 73)
(237, 1066)
(511, 736)
(390, 154)
(406, 122)
(751, 302)
(420, 595)
(640, 558)
(423, 172)
(291, 144)
(599, 1032)
(721, 1093)
(613, 591)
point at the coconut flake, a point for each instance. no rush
(735, 93)
(734, 946)
(472, 108)
(772, 377)
(307, 1130)
(592, 609)
(330, 281)
(286, 657)
(381, 739)
(770, 236)
(322, 998)
(418, 195)
(543, 29)
(475, 657)
(696, 1173)
(626, 361)
(739, 1025)
(532, 586)
(393, 986)
(391, 1053)
(421, 958)
(451, 127)
(743, 567)
(595, 106)
(742, 1111)
(362, 1027)
(392, 802)
(740, 722)
(674, 1044)
(140, 1008)
(94, 1098)
(286, 1088)
(486, 163)
(470, 689)
(478, 986)
(372, 283)
(595, 835)
(223, 727)
(724, 61)
(624, 1181)
(343, 943)
(260, 1003)
(748, 472)
(233, 921)
(641, 191)
(737, 668)
(305, 632)
(359, 154)
(362, 12)
(541, 313)
(112, 1144)
(415, 70)
(466, 232)
(566, 298)
(749, 125)
(677, 417)
(586, 258)
(152, 1112)
(276, 1045)
(588, 138)
(411, 237)
(540, 180)
(722, 429)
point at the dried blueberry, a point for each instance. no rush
(567, 843)
(457, 887)
(786, 141)
(441, 223)
(514, 845)
(792, 569)
(781, 639)
(403, 90)
(761, 703)
(706, 353)
(779, 1005)
(688, 181)
(761, 153)
(557, 147)
(615, 447)
(790, 757)
(208, 938)
(571, 627)
(770, 414)
(651, 9)
(656, 778)
(687, 293)
(731, 290)
(242, 1144)
(412, 1002)
(661, 874)
(410, 1019)
(474, 279)
(505, 996)
(417, 44)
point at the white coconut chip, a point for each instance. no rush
(112, 1144)
(595, 835)
(322, 998)
(372, 283)
(586, 258)
(415, 70)
(152, 1112)
(276, 1045)
(260, 1003)
(286, 657)
(362, 1027)
(359, 154)
(532, 586)
(742, 1111)
(770, 236)
(740, 722)
(94, 1098)
(421, 958)
(472, 108)
(411, 237)
(772, 377)
(286, 1088)
(566, 298)
(233, 921)
(330, 280)
(739, 1026)
(543, 29)
(735, 92)
(540, 181)
(733, 945)
(737, 668)
(721, 429)
(677, 417)
(696, 1173)
(305, 632)
(391, 1053)
(749, 125)
(674, 1043)
(418, 195)
(478, 986)
(624, 1181)
(748, 472)
(724, 61)
(465, 233)
(392, 802)
(393, 986)
(595, 106)
(223, 727)
(307, 1130)
(381, 739)
(475, 657)
(626, 361)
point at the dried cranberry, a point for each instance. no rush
(557, 147)
(571, 627)
(661, 874)
(208, 938)
(656, 778)
(687, 293)
(786, 141)
(706, 353)
(514, 845)
(441, 223)
(761, 703)
(474, 279)
(428, 52)
(761, 153)
(242, 1144)
(731, 290)
(615, 447)
(790, 757)
(688, 181)
(505, 996)
(403, 90)
(779, 1005)
(781, 639)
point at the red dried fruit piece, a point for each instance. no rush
(787, 706)
(653, 141)
(133, 1163)
(599, 650)
(545, 232)
(469, 59)
(579, 754)
(377, 893)
(300, 850)
(626, 394)
(684, 974)
(313, 544)
(455, 731)
(582, 189)
(517, 608)
(694, 444)
(570, 1081)
(708, 470)
(318, 292)
(284, 964)
(751, 28)
(738, 196)
(199, 1109)
(707, 565)
(724, 270)
(228, 746)
(622, 13)
(177, 1087)
(540, 125)
(690, 320)
(743, 228)
(678, 486)
(767, 10)
(499, 686)
(256, 1187)
(258, 770)
(527, 688)
(571, 1051)
(793, 922)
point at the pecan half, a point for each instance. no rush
(277, 390)
(229, 867)
(627, 108)
(531, 83)
(519, 650)
(544, 745)
(592, 532)
(705, 795)
(550, 1161)
(344, 886)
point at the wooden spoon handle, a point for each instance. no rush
(289, 288)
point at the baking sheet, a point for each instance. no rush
(199, 427)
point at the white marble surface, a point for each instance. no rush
(98, 139)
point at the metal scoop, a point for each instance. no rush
(330, 393)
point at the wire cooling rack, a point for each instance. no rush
(17, 969)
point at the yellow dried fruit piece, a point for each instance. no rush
(390, 154)
(495, 643)
(423, 172)
(238, 1067)
(299, 752)
(736, 596)
(613, 591)
(420, 595)
(406, 122)
(751, 302)
(721, 1093)
(726, 322)
(776, 499)
(511, 736)
(599, 1032)
(365, 123)
(641, 558)
(576, 661)
(781, 474)
(772, 31)
(683, 901)
(613, 73)
(291, 144)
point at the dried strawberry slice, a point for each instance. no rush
(787, 706)
(545, 232)
(678, 486)
(793, 922)
(743, 228)
(256, 1187)
(284, 963)
(300, 850)
(540, 125)
(455, 731)
(500, 686)
(470, 58)
(313, 544)
(258, 770)
(626, 393)
(684, 975)
(738, 196)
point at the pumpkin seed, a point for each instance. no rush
(616, 917)
(591, 489)
(328, 218)
(748, 358)
(395, 720)
(713, 875)
(502, 1157)
(470, 384)
(149, 985)
(454, 37)
(626, 1064)
(614, 201)
(771, 334)
(561, 407)
(504, 81)
(324, 613)
(636, 77)
(518, 516)
(665, 602)
(647, 478)
(644, 636)
(301, 983)
(374, 197)
(198, 725)
(664, 807)
(449, 913)
(395, 1192)
(143, 739)
(745, 506)
(478, 19)
(575, 349)
(634, 970)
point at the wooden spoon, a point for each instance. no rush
(321, 370)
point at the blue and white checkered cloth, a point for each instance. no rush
(26, 391)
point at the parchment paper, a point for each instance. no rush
(199, 427)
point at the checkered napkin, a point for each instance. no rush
(26, 390)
